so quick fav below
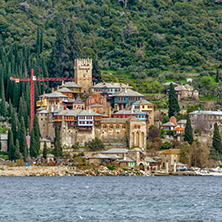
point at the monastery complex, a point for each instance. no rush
(112, 112)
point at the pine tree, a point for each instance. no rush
(57, 143)
(188, 136)
(173, 102)
(17, 154)
(45, 151)
(22, 140)
(10, 145)
(217, 79)
(216, 139)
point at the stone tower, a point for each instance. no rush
(83, 74)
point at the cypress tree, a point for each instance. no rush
(59, 63)
(2, 91)
(45, 150)
(10, 110)
(22, 140)
(74, 46)
(216, 139)
(188, 136)
(33, 148)
(10, 145)
(96, 71)
(37, 131)
(57, 143)
(173, 102)
(3, 107)
(14, 126)
(35, 138)
(17, 154)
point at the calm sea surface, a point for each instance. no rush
(110, 199)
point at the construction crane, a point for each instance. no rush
(32, 80)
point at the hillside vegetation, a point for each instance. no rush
(142, 37)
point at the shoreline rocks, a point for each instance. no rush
(63, 171)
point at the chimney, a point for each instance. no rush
(141, 100)
(125, 90)
(58, 88)
(52, 89)
(62, 83)
(120, 87)
(181, 86)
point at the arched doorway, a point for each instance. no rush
(141, 166)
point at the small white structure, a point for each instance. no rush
(189, 79)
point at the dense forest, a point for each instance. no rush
(141, 36)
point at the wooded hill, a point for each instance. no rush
(143, 37)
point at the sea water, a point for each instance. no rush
(110, 199)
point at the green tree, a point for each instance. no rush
(35, 138)
(57, 143)
(17, 154)
(188, 136)
(2, 92)
(14, 126)
(174, 108)
(216, 139)
(45, 150)
(22, 140)
(95, 144)
(96, 71)
(10, 145)
(3, 107)
(59, 63)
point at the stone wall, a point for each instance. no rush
(112, 133)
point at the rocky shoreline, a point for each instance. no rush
(56, 171)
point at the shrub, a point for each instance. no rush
(95, 144)
(110, 167)
(165, 145)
